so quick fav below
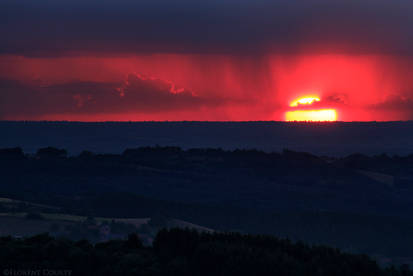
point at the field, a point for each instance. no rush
(23, 224)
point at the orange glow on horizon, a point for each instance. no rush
(322, 115)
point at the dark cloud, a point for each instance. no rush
(396, 107)
(136, 95)
(341, 99)
(395, 103)
(120, 26)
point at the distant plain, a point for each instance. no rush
(331, 139)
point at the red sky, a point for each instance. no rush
(211, 60)
(203, 87)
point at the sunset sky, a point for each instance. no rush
(214, 60)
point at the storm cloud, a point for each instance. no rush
(53, 28)
(136, 94)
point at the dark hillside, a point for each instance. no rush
(350, 203)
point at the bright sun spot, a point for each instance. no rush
(316, 115)
(312, 115)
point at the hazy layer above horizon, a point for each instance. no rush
(333, 139)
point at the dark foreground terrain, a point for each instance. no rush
(357, 203)
(183, 252)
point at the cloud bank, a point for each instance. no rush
(136, 94)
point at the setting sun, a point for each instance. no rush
(315, 115)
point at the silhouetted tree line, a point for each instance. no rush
(382, 162)
(187, 252)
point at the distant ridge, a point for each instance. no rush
(323, 138)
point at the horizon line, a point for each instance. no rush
(199, 121)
